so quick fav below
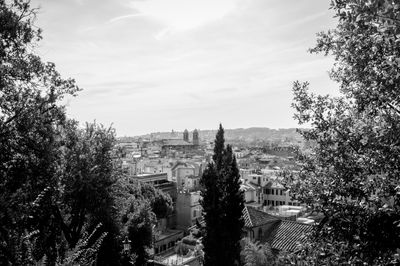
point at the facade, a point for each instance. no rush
(250, 194)
(160, 181)
(275, 194)
(180, 171)
(166, 240)
(188, 209)
(191, 182)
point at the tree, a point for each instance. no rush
(233, 205)
(140, 206)
(352, 176)
(87, 178)
(30, 119)
(222, 204)
(55, 178)
(138, 220)
(256, 254)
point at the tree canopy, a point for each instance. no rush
(352, 175)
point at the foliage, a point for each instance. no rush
(161, 203)
(88, 175)
(352, 176)
(30, 118)
(256, 254)
(138, 220)
(222, 204)
(85, 251)
(55, 178)
(140, 206)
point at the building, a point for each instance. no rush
(186, 135)
(250, 194)
(160, 181)
(257, 223)
(282, 235)
(170, 147)
(275, 194)
(188, 209)
(165, 241)
(196, 140)
(191, 183)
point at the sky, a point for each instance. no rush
(156, 65)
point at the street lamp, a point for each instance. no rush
(127, 245)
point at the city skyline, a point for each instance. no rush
(152, 66)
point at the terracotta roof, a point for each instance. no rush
(288, 234)
(253, 217)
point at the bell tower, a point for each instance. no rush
(186, 135)
(195, 137)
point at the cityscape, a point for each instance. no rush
(191, 133)
(174, 163)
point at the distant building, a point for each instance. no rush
(275, 194)
(180, 171)
(188, 209)
(196, 137)
(249, 191)
(171, 146)
(186, 135)
(160, 181)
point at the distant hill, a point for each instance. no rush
(233, 135)
(254, 134)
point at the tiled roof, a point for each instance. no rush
(288, 234)
(253, 217)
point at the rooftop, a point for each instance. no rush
(253, 217)
(288, 234)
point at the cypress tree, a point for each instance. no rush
(222, 206)
(211, 194)
(233, 204)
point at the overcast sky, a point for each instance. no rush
(158, 65)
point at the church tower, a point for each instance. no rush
(186, 135)
(195, 137)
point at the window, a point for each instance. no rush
(194, 213)
(281, 192)
(272, 191)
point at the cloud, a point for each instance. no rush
(123, 17)
(184, 14)
(176, 63)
